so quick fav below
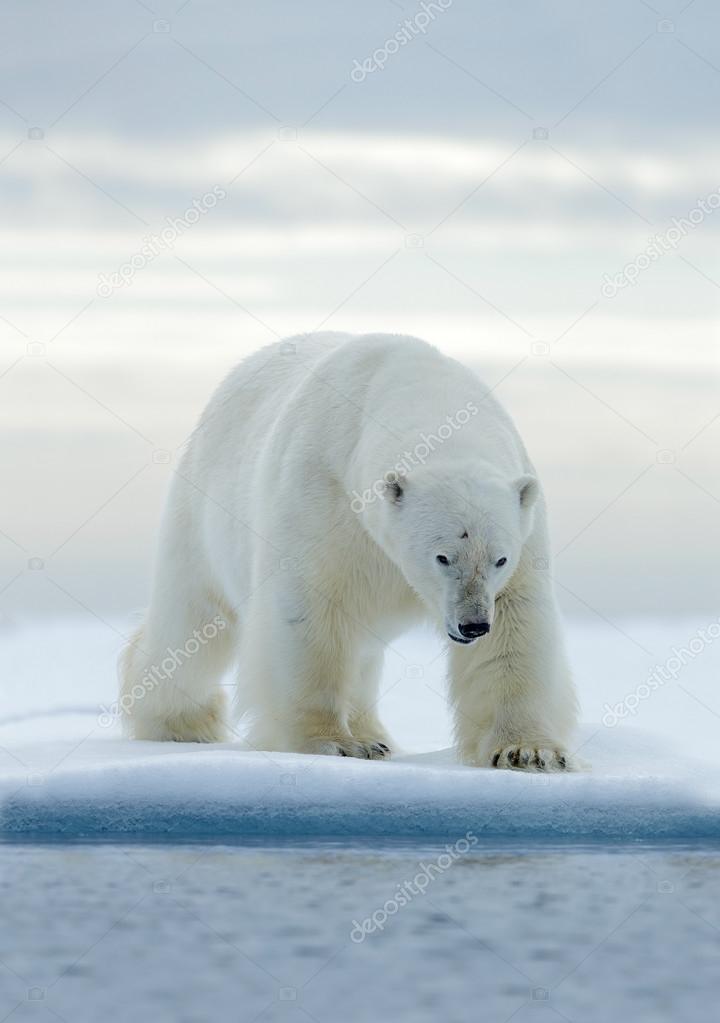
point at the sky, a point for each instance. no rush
(492, 184)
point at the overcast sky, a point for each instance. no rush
(476, 190)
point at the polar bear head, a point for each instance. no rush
(457, 538)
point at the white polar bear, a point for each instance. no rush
(336, 490)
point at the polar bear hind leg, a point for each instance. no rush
(170, 670)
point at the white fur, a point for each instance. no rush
(265, 526)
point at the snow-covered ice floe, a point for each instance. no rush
(634, 791)
(62, 774)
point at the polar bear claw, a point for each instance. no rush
(530, 758)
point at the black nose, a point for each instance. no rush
(471, 630)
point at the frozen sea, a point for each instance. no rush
(188, 883)
(198, 932)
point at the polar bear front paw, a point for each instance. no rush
(530, 758)
(368, 749)
(375, 749)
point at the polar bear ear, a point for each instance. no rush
(528, 489)
(395, 486)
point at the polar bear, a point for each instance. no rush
(337, 489)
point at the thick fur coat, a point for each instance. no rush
(336, 490)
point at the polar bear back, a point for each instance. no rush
(332, 407)
(355, 394)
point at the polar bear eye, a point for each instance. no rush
(442, 560)
(500, 562)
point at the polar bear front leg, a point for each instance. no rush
(363, 720)
(514, 700)
(306, 701)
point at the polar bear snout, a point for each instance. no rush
(469, 614)
(469, 631)
(472, 630)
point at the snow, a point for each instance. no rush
(63, 773)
